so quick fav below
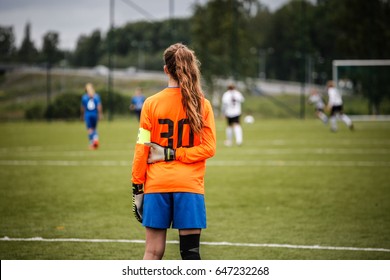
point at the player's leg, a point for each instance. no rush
(90, 135)
(189, 244)
(157, 217)
(190, 218)
(90, 130)
(333, 119)
(229, 133)
(138, 114)
(347, 121)
(155, 243)
(95, 136)
(322, 116)
(238, 133)
(237, 130)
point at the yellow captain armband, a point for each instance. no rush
(143, 136)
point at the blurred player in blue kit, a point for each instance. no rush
(137, 101)
(91, 111)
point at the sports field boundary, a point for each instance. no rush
(370, 118)
(137, 241)
(211, 162)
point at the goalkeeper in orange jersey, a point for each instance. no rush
(176, 136)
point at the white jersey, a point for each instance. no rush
(316, 99)
(334, 97)
(231, 103)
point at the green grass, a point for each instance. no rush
(292, 182)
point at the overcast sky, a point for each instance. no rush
(72, 18)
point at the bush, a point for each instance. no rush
(120, 103)
(35, 112)
(65, 106)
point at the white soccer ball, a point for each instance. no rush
(249, 119)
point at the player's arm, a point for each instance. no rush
(206, 149)
(242, 98)
(224, 105)
(82, 111)
(139, 167)
(100, 108)
(139, 172)
(100, 111)
(140, 156)
(138, 179)
(329, 104)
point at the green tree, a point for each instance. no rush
(27, 52)
(220, 38)
(358, 29)
(289, 36)
(7, 44)
(141, 43)
(88, 50)
(50, 51)
(361, 28)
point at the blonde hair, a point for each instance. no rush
(183, 66)
(89, 89)
(330, 83)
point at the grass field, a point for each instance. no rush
(292, 182)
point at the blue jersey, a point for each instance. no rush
(138, 101)
(90, 104)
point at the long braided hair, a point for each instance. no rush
(183, 66)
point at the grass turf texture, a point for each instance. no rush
(292, 182)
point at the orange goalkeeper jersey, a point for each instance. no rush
(164, 117)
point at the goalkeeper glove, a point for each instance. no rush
(159, 153)
(138, 201)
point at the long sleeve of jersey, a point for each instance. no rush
(207, 147)
(140, 163)
(141, 152)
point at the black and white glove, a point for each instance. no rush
(138, 201)
(158, 153)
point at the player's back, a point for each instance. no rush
(231, 101)
(167, 121)
(334, 97)
(90, 104)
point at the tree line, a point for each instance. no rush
(232, 38)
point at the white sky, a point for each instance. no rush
(72, 18)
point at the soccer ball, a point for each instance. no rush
(249, 119)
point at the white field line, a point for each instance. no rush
(310, 151)
(294, 163)
(136, 241)
(64, 163)
(260, 151)
(212, 162)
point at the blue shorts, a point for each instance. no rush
(91, 120)
(182, 210)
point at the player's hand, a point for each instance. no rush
(158, 153)
(138, 201)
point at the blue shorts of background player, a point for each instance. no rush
(91, 121)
